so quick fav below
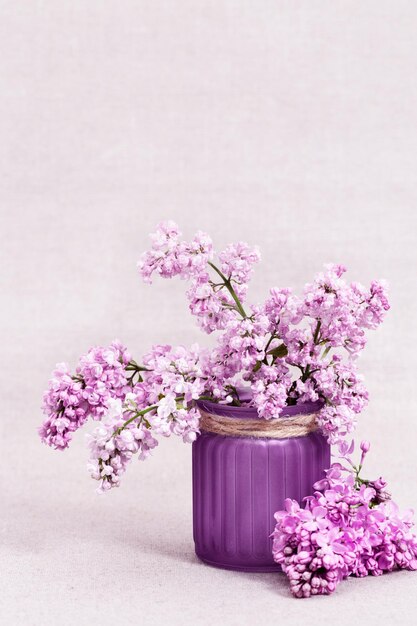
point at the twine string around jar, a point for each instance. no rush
(278, 428)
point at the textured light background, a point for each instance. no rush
(291, 124)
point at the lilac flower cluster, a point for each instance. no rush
(289, 349)
(212, 299)
(123, 432)
(134, 404)
(104, 374)
(161, 403)
(173, 382)
(350, 526)
(170, 256)
(71, 399)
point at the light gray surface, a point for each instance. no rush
(288, 124)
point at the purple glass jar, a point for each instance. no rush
(240, 482)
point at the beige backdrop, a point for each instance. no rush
(291, 124)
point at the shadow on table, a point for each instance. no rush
(44, 528)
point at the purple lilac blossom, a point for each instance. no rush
(350, 526)
(289, 350)
(112, 444)
(236, 263)
(65, 408)
(159, 405)
(71, 400)
(292, 335)
(208, 305)
(170, 256)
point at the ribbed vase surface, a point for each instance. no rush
(240, 482)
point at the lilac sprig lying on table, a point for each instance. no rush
(350, 526)
(289, 350)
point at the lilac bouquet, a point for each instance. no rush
(350, 526)
(289, 350)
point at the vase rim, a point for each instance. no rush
(251, 412)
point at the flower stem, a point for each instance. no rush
(135, 417)
(132, 366)
(307, 372)
(317, 331)
(230, 289)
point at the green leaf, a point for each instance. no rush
(257, 366)
(326, 351)
(279, 351)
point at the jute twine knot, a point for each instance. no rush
(278, 428)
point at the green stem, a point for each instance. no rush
(317, 331)
(229, 287)
(135, 417)
(270, 340)
(326, 351)
(132, 366)
(307, 372)
(234, 390)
